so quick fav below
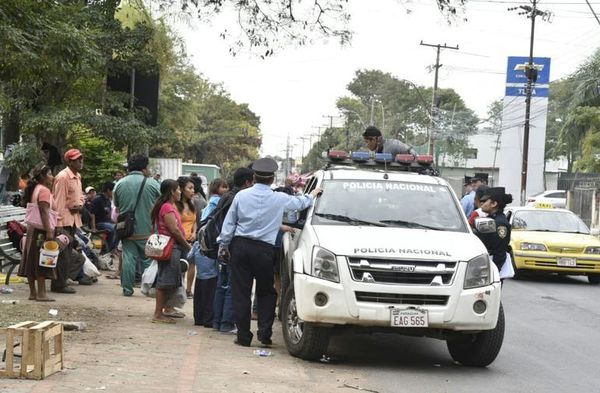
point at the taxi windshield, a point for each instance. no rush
(545, 220)
(389, 204)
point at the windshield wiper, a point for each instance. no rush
(349, 220)
(410, 224)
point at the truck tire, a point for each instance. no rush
(594, 279)
(303, 340)
(481, 349)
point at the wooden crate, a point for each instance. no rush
(41, 350)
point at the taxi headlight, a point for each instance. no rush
(478, 272)
(533, 247)
(324, 265)
(592, 250)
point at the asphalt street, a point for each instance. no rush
(551, 344)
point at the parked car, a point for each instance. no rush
(556, 198)
(553, 241)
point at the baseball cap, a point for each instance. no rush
(72, 154)
(89, 188)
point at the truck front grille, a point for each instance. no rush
(393, 271)
(397, 298)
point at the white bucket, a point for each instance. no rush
(49, 254)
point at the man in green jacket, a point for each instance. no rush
(125, 196)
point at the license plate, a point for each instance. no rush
(409, 318)
(568, 262)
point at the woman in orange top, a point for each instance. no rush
(188, 212)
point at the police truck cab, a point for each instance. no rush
(386, 248)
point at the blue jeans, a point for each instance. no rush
(223, 306)
(112, 233)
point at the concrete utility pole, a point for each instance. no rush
(304, 138)
(437, 67)
(531, 72)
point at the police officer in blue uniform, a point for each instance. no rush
(247, 239)
(493, 203)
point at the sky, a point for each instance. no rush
(295, 89)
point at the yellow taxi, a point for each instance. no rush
(554, 241)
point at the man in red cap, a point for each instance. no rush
(68, 202)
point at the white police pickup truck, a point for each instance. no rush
(387, 249)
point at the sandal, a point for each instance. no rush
(46, 299)
(166, 321)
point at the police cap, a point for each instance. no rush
(467, 180)
(264, 167)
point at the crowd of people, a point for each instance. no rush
(244, 217)
(246, 213)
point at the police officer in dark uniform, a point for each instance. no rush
(247, 239)
(493, 203)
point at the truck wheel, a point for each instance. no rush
(302, 339)
(479, 350)
(594, 279)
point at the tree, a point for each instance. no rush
(399, 109)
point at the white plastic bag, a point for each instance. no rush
(177, 298)
(89, 269)
(507, 270)
(148, 279)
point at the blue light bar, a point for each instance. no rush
(360, 156)
(383, 157)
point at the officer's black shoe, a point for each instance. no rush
(241, 343)
(267, 342)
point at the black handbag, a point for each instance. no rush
(126, 221)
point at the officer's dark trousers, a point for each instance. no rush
(252, 259)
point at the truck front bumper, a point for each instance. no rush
(449, 307)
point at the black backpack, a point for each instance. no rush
(207, 235)
(210, 228)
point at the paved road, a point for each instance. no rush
(552, 344)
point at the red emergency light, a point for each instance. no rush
(405, 158)
(337, 155)
(426, 159)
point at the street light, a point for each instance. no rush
(346, 111)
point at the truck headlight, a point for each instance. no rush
(592, 250)
(478, 272)
(324, 265)
(533, 247)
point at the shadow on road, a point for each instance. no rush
(393, 352)
(552, 278)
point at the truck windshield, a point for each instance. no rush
(388, 203)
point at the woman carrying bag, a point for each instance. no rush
(167, 220)
(41, 222)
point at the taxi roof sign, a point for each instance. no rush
(544, 205)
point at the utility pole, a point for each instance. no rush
(437, 67)
(287, 158)
(531, 72)
(303, 139)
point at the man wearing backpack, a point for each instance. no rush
(126, 199)
(223, 320)
(247, 238)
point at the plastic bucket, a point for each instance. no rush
(49, 254)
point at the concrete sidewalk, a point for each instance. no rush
(122, 351)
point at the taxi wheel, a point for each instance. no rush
(481, 349)
(594, 279)
(302, 339)
(518, 272)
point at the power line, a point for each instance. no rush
(593, 12)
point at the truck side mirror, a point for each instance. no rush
(485, 225)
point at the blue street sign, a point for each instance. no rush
(520, 91)
(515, 72)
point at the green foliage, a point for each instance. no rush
(23, 157)
(100, 159)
